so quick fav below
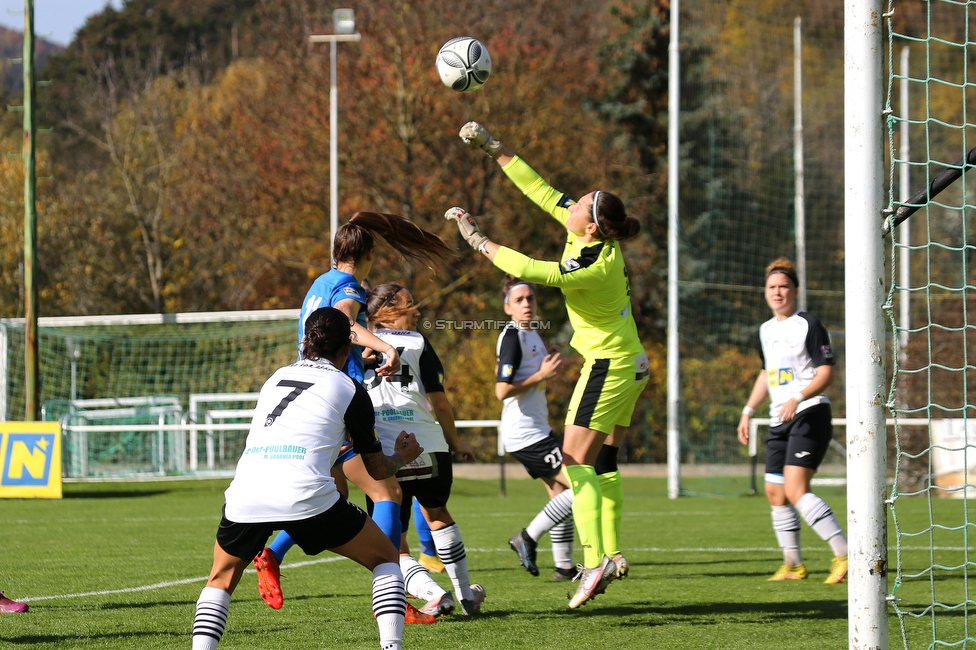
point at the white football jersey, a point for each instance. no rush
(792, 349)
(304, 414)
(400, 401)
(525, 417)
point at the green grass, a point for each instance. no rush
(698, 577)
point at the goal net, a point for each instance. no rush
(131, 388)
(931, 132)
(740, 210)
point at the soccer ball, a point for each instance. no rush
(464, 64)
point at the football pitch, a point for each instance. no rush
(120, 566)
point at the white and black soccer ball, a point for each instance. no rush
(464, 64)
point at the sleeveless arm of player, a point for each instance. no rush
(536, 189)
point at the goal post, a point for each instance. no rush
(866, 351)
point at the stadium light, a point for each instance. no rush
(344, 28)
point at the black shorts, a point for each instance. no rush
(803, 441)
(431, 492)
(542, 459)
(334, 527)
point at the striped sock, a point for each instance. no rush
(821, 519)
(450, 549)
(210, 618)
(389, 605)
(786, 525)
(417, 580)
(561, 536)
(558, 509)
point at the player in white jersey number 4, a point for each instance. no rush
(415, 399)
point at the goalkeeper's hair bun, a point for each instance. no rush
(614, 222)
(326, 332)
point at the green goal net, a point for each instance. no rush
(739, 211)
(129, 389)
(933, 467)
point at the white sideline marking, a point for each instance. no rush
(328, 560)
(171, 583)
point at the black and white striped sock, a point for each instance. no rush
(210, 619)
(389, 605)
(557, 510)
(450, 549)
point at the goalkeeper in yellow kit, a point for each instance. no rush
(593, 280)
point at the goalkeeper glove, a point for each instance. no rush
(476, 135)
(467, 226)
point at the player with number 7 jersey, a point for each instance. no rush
(304, 414)
(415, 399)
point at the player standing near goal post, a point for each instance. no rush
(415, 398)
(304, 415)
(524, 365)
(593, 279)
(341, 287)
(798, 366)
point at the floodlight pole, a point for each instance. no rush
(32, 382)
(344, 26)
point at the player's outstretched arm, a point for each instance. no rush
(469, 230)
(405, 450)
(475, 135)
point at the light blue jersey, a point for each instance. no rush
(328, 290)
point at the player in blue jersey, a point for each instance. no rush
(341, 287)
(798, 366)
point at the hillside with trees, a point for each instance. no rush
(12, 47)
(188, 168)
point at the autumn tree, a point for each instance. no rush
(133, 108)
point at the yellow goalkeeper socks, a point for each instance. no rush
(612, 510)
(587, 503)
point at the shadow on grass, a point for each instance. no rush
(721, 612)
(83, 640)
(75, 494)
(189, 604)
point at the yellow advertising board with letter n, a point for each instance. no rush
(30, 458)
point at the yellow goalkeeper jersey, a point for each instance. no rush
(592, 277)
